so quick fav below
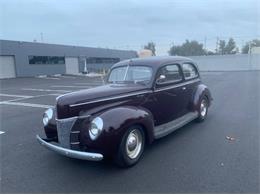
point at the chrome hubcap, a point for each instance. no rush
(203, 108)
(133, 144)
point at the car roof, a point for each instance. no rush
(155, 61)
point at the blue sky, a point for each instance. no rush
(129, 24)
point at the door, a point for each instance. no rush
(7, 67)
(72, 65)
(191, 78)
(168, 94)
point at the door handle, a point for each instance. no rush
(183, 88)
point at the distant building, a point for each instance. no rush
(26, 59)
(145, 53)
(255, 50)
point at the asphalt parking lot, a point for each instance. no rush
(198, 158)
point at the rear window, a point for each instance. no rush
(171, 73)
(189, 71)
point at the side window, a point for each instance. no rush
(189, 71)
(168, 74)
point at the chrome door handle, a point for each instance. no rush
(183, 88)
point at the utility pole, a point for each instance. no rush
(85, 66)
(205, 44)
(217, 45)
(249, 54)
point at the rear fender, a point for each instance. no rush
(201, 91)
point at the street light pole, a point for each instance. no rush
(249, 54)
(85, 66)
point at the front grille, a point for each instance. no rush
(74, 140)
(64, 129)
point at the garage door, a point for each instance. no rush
(7, 67)
(72, 65)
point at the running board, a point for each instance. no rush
(167, 128)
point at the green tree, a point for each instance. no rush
(254, 43)
(210, 53)
(231, 47)
(222, 46)
(189, 48)
(151, 46)
(227, 48)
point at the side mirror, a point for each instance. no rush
(160, 79)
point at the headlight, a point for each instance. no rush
(47, 116)
(96, 128)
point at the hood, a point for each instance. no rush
(105, 91)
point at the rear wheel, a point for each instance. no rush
(203, 109)
(131, 147)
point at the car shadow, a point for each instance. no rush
(108, 165)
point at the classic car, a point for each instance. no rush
(143, 99)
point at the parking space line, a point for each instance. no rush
(46, 90)
(25, 104)
(12, 95)
(56, 94)
(2, 132)
(69, 77)
(68, 86)
(50, 78)
(31, 97)
(89, 84)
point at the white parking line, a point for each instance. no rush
(89, 84)
(12, 95)
(69, 77)
(57, 94)
(31, 97)
(69, 86)
(50, 78)
(26, 104)
(1, 132)
(46, 90)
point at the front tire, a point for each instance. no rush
(203, 109)
(131, 147)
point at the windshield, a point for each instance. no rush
(135, 74)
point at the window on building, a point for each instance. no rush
(94, 60)
(46, 60)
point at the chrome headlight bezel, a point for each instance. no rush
(96, 127)
(47, 116)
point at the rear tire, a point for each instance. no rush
(203, 109)
(131, 147)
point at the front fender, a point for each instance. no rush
(201, 91)
(116, 122)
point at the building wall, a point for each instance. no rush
(21, 51)
(236, 62)
(255, 50)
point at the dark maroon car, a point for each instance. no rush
(144, 99)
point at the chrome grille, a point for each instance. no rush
(64, 127)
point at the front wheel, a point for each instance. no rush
(131, 147)
(203, 109)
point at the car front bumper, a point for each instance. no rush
(70, 153)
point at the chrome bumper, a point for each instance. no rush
(70, 153)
